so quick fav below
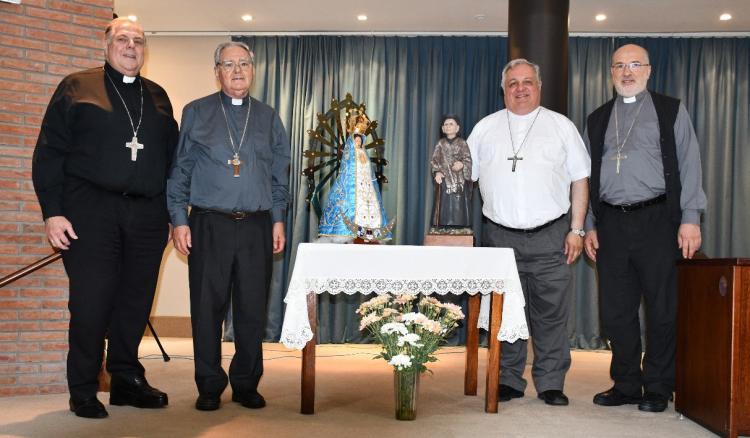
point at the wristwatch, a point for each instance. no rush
(578, 232)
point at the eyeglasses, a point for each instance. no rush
(633, 66)
(228, 66)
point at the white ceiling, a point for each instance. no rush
(427, 16)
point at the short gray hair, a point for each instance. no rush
(117, 22)
(224, 45)
(516, 62)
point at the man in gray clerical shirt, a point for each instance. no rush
(646, 201)
(232, 168)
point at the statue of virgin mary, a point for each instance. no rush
(354, 207)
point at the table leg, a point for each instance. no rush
(308, 358)
(493, 360)
(472, 346)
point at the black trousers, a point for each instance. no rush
(229, 256)
(636, 258)
(113, 267)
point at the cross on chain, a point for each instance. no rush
(515, 159)
(618, 157)
(134, 147)
(235, 162)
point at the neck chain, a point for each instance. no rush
(618, 145)
(515, 158)
(235, 161)
(133, 145)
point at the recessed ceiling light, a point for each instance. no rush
(362, 17)
(725, 17)
(247, 17)
(480, 17)
(600, 17)
(132, 18)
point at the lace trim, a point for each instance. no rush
(380, 286)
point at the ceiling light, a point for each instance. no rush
(362, 17)
(132, 18)
(480, 17)
(247, 17)
(600, 17)
(725, 17)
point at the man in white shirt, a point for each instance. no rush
(533, 169)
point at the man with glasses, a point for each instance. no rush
(646, 202)
(232, 169)
(100, 169)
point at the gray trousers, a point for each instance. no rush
(545, 280)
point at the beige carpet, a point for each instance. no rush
(354, 399)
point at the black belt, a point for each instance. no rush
(637, 205)
(236, 215)
(530, 230)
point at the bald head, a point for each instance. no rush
(630, 70)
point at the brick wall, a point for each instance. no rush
(40, 42)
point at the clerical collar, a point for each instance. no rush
(633, 99)
(528, 116)
(232, 101)
(117, 76)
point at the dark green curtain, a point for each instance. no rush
(409, 82)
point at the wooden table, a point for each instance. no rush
(397, 270)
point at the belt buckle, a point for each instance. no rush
(239, 215)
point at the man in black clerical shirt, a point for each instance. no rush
(232, 167)
(99, 171)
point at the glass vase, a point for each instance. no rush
(405, 389)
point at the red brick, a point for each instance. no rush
(19, 304)
(44, 336)
(45, 315)
(86, 63)
(33, 120)
(74, 29)
(21, 64)
(40, 251)
(93, 43)
(69, 6)
(7, 17)
(11, 75)
(24, 86)
(8, 249)
(19, 347)
(56, 282)
(7, 358)
(11, 52)
(11, 29)
(9, 184)
(18, 196)
(39, 99)
(95, 23)
(74, 51)
(8, 292)
(31, 206)
(7, 336)
(40, 379)
(54, 325)
(14, 173)
(47, 57)
(54, 304)
(10, 118)
(24, 42)
(47, 356)
(7, 238)
(26, 326)
(52, 368)
(10, 140)
(62, 69)
(8, 315)
(12, 96)
(53, 389)
(48, 14)
(108, 4)
(21, 108)
(19, 369)
(8, 380)
(18, 390)
(35, 228)
(54, 346)
(19, 129)
(38, 293)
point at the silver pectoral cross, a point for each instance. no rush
(618, 157)
(515, 159)
(235, 162)
(134, 147)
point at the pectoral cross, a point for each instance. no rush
(618, 157)
(235, 162)
(134, 147)
(515, 159)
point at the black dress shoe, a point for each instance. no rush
(252, 400)
(653, 402)
(88, 408)
(506, 393)
(554, 397)
(135, 391)
(613, 397)
(207, 402)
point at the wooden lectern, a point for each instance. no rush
(713, 344)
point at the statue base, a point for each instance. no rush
(444, 236)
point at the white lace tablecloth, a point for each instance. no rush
(401, 269)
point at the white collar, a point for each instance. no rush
(630, 99)
(128, 79)
(237, 102)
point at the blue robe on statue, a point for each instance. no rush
(354, 195)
